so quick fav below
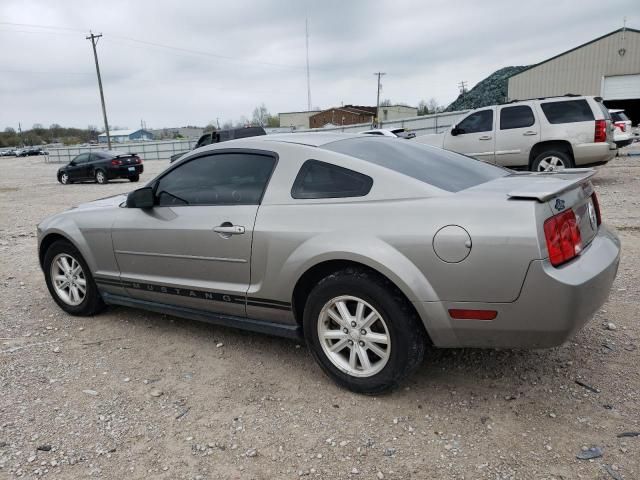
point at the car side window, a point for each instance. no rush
(520, 116)
(82, 158)
(324, 180)
(219, 179)
(569, 111)
(477, 122)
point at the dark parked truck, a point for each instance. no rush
(218, 136)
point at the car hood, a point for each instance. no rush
(106, 202)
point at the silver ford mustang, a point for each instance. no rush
(369, 248)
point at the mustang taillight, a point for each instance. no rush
(600, 134)
(116, 162)
(563, 237)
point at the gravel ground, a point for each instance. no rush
(130, 394)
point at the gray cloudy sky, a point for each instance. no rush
(254, 52)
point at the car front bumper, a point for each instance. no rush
(554, 303)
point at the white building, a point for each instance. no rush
(296, 120)
(394, 112)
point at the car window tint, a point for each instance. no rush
(519, 116)
(481, 121)
(568, 111)
(324, 180)
(82, 158)
(222, 179)
(442, 169)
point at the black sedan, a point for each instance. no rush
(101, 167)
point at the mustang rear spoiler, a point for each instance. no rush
(553, 185)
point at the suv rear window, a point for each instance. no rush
(520, 116)
(568, 111)
(443, 169)
(324, 180)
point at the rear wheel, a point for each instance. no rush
(69, 280)
(551, 161)
(362, 331)
(134, 178)
(101, 177)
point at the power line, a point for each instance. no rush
(94, 41)
(159, 45)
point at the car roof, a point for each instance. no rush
(310, 139)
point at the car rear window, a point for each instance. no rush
(568, 111)
(443, 169)
(619, 117)
(519, 116)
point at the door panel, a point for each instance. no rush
(173, 255)
(517, 132)
(477, 137)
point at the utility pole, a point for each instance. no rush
(379, 75)
(94, 42)
(306, 28)
(463, 90)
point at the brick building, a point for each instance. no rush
(346, 115)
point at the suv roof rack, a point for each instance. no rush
(544, 98)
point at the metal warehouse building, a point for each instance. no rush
(608, 66)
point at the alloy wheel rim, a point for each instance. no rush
(551, 164)
(68, 279)
(100, 177)
(354, 336)
(64, 178)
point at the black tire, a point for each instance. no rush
(64, 180)
(134, 178)
(407, 337)
(563, 157)
(101, 177)
(92, 302)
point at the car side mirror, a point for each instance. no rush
(72, 163)
(456, 131)
(141, 198)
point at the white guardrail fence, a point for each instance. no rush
(163, 150)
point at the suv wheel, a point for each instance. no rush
(362, 332)
(64, 178)
(551, 161)
(101, 177)
(69, 280)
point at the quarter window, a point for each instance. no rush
(520, 116)
(568, 111)
(481, 121)
(324, 180)
(222, 179)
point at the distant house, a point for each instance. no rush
(177, 132)
(122, 136)
(346, 115)
(296, 120)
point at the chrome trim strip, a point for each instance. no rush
(184, 257)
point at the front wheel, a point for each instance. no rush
(64, 178)
(552, 161)
(361, 330)
(69, 280)
(101, 177)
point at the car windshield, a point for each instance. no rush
(443, 169)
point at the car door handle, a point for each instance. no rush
(226, 229)
(529, 133)
(485, 137)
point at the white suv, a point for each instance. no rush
(544, 134)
